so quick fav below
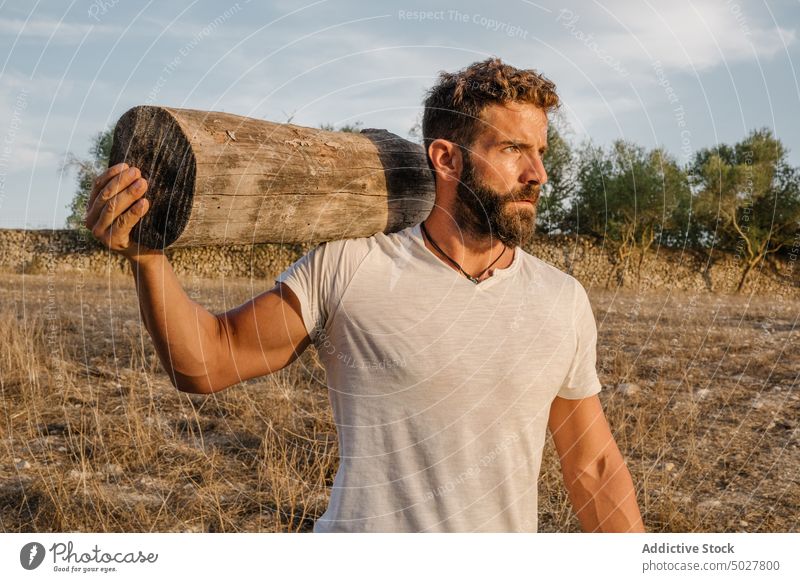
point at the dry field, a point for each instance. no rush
(701, 391)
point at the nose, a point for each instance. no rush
(534, 172)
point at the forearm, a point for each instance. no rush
(184, 333)
(604, 497)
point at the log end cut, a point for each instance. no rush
(151, 139)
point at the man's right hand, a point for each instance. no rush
(115, 205)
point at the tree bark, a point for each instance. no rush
(218, 178)
(745, 272)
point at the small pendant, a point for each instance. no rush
(473, 279)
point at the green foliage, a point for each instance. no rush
(748, 196)
(629, 195)
(553, 209)
(631, 198)
(354, 127)
(88, 169)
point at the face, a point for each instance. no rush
(503, 174)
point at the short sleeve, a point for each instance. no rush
(310, 278)
(582, 380)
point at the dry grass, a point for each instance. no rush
(94, 437)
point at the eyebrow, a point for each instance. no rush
(527, 146)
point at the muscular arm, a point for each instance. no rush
(597, 479)
(202, 352)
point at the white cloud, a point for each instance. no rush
(27, 153)
(60, 30)
(701, 33)
(584, 111)
(681, 34)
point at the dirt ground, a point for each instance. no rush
(701, 392)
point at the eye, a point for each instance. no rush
(511, 148)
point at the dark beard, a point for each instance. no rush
(485, 213)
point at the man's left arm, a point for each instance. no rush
(597, 479)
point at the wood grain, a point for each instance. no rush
(217, 178)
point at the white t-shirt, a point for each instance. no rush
(441, 388)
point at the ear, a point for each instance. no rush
(446, 159)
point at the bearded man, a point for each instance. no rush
(449, 350)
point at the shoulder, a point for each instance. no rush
(387, 246)
(549, 277)
(394, 243)
(341, 259)
(344, 256)
(344, 250)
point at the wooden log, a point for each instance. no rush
(217, 178)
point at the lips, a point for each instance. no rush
(529, 196)
(533, 200)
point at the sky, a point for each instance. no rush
(680, 74)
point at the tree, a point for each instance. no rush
(354, 127)
(629, 197)
(748, 198)
(554, 204)
(88, 169)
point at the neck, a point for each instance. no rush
(473, 254)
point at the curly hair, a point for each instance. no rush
(453, 106)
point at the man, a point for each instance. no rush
(448, 349)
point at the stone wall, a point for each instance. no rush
(44, 251)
